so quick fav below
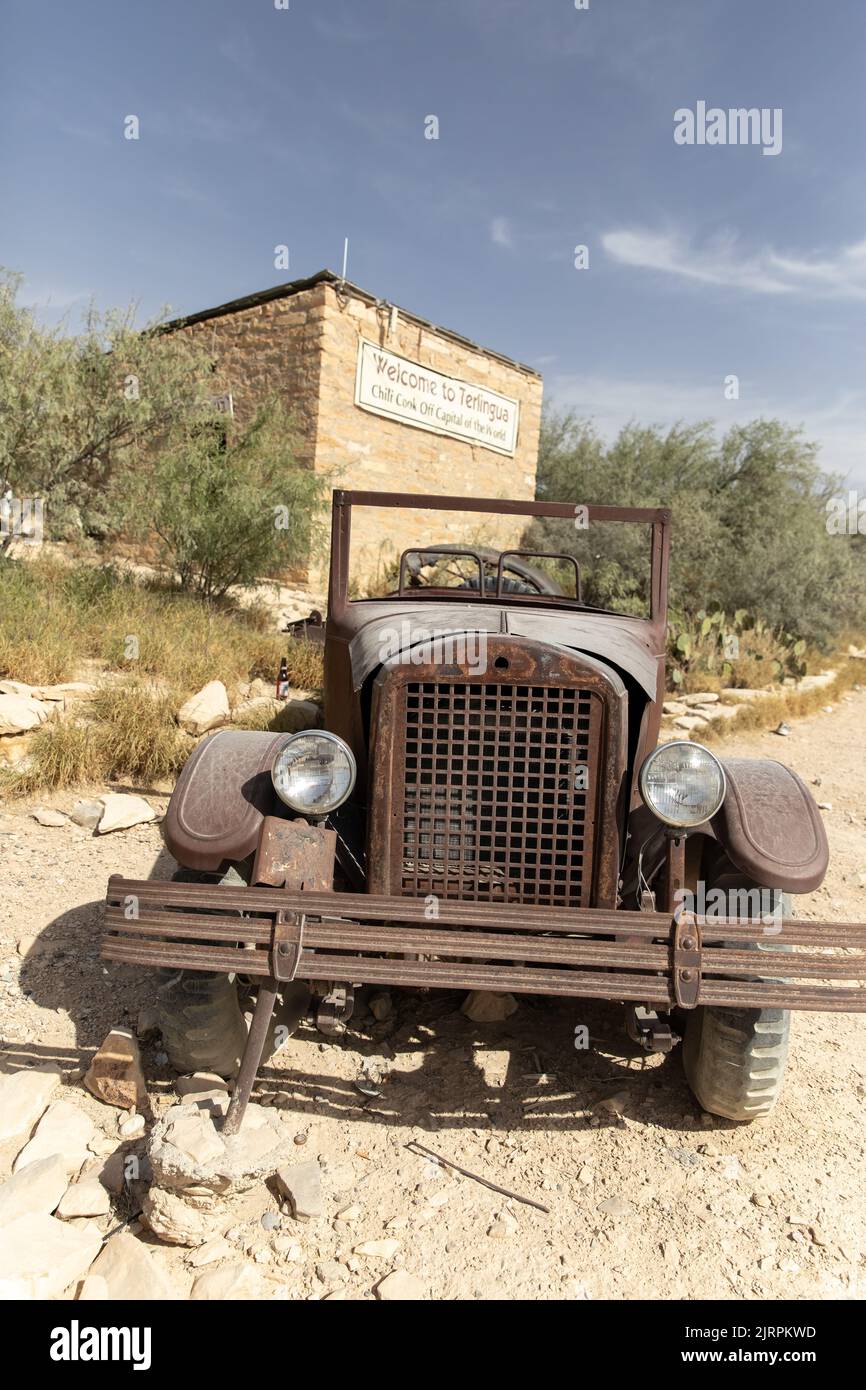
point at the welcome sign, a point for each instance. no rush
(399, 389)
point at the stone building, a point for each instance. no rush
(382, 400)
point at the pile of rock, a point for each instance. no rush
(702, 708)
(23, 708)
(210, 708)
(64, 1174)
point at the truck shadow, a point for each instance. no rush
(440, 1071)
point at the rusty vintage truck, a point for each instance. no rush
(488, 807)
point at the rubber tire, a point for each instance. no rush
(200, 1017)
(201, 1023)
(734, 1059)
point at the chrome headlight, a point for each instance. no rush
(682, 783)
(314, 772)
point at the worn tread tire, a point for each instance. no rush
(200, 1017)
(199, 1014)
(201, 1023)
(734, 1059)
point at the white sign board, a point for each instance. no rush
(403, 390)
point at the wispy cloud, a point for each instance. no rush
(725, 261)
(500, 232)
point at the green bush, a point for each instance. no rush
(230, 504)
(714, 649)
(749, 522)
(78, 409)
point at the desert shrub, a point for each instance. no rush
(716, 649)
(79, 408)
(749, 522)
(230, 505)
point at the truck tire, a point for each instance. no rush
(199, 1014)
(201, 1023)
(734, 1059)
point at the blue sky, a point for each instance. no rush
(261, 126)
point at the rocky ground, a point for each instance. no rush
(645, 1195)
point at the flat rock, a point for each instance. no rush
(41, 1256)
(488, 1006)
(44, 815)
(296, 715)
(218, 1248)
(36, 1189)
(63, 1129)
(690, 721)
(200, 1083)
(86, 1198)
(66, 690)
(130, 1271)
(378, 1249)
(301, 1185)
(672, 707)
(237, 1280)
(705, 697)
(122, 810)
(195, 1135)
(719, 711)
(615, 1206)
(207, 709)
(400, 1287)
(115, 1075)
(24, 1096)
(817, 682)
(212, 1103)
(109, 1170)
(20, 713)
(734, 696)
(16, 688)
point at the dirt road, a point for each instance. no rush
(657, 1200)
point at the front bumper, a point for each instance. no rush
(360, 938)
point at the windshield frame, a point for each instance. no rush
(657, 518)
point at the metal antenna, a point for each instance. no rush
(345, 257)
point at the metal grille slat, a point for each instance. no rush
(499, 791)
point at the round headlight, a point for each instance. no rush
(313, 772)
(683, 783)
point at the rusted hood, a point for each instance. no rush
(393, 628)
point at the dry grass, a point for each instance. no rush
(53, 616)
(787, 704)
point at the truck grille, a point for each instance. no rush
(500, 790)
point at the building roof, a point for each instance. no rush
(329, 277)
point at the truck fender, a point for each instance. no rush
(770, 827)
(222, 795)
